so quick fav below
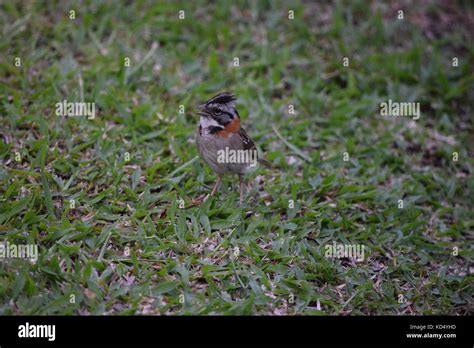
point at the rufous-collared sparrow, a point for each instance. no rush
(222, 143)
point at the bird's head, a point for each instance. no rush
(220, 108)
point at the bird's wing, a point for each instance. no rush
(246, 142)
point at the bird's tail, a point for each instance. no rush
(266, 163)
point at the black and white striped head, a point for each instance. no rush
(219, 110)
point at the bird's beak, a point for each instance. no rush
(203, 114)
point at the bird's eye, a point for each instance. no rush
(218, 112)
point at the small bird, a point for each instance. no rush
(222, 143)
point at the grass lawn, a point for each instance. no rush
(106, 199)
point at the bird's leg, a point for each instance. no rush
(242, 185)
(216, 186)
(204, 198)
